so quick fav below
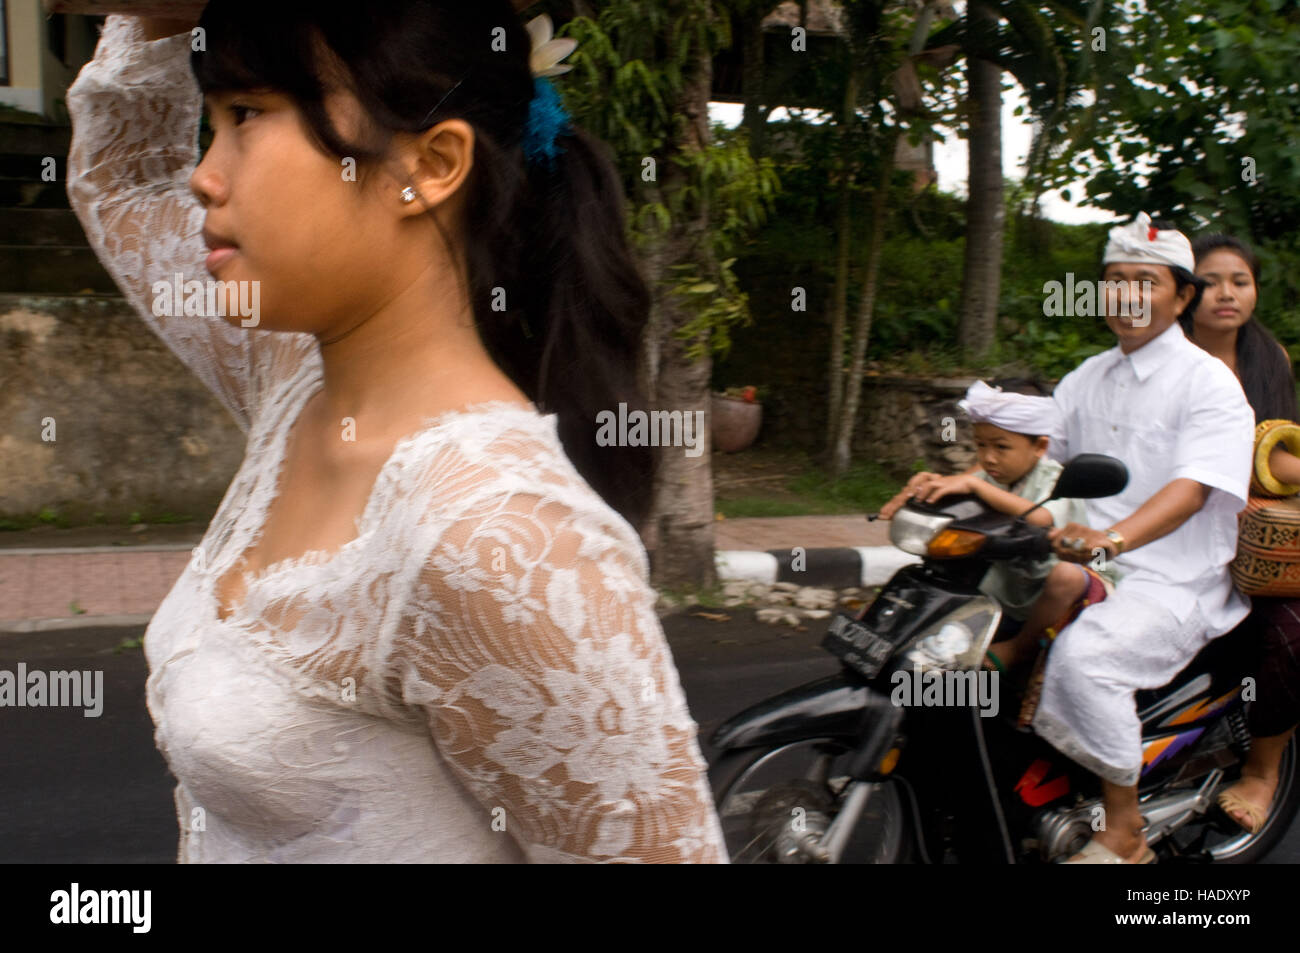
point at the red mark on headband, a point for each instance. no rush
(1151, 233)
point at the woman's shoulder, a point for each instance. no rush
(504, 460)
(502, 435)
(494, 449)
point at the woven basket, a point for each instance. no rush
(1268, 547)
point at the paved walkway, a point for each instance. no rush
(54, 585)
(811, 532)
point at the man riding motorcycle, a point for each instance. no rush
(1179, 420)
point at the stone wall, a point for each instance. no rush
(133, 429)
(903, 420)
(908, 419)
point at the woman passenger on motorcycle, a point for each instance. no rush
(1225, 325)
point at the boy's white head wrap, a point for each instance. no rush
(1018, 413)
(1139, 241)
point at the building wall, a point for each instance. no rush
(133, 429)
(24, 26)
(38, 78)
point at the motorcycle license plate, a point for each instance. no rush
(857, 646)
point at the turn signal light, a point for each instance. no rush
(888, 762)
(955, 542)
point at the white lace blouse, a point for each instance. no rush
(478, 676)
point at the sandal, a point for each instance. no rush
(1229, 801)
(1094, 853)
(997, 665)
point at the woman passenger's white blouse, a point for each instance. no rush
(480, 675)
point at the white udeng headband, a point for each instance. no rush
(1018, 413)
(1139, 241)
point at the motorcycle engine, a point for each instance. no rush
(1062, 831)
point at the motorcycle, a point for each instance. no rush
(861, 767)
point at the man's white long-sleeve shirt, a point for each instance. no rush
(1168, 410)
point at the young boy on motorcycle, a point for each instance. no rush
(1014, 473)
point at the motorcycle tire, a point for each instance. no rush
(1287, 802)
(729, 768)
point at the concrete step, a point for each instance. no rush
(32, 193)
(40, 226)
(30, 168)
(35, 139)
(53, 269)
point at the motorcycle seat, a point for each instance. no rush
(1227, 659)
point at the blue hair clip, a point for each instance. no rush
(547, 119)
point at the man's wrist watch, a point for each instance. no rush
(1117, 539)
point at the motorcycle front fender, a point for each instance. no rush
(837, 706)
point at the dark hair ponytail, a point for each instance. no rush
(1265, 373)
(553, 239)
(585, 306)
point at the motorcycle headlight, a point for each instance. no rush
(957, 641)
(911, 530)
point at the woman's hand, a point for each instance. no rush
(182, 18)
(1284, 465)
(157, 29)
(1077, 543)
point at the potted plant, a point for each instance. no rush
(736, 416)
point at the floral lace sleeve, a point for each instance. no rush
(135, 118)
(533, 647)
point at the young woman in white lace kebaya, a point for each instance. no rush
(419, 626)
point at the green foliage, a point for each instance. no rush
(1057, 349)
(630, 65)
(1202, 127)
(864, 488)
(917, 306)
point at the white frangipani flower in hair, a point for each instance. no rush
(547, 51)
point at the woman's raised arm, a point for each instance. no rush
(135, 112)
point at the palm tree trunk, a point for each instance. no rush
(683, 508)
(842, 451)
(844, 236)
(985, 212)
(754, 117)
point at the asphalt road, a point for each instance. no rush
(96, 790)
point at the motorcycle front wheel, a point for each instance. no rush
(772, 800)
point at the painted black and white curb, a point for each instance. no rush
(789, 588)
(837, 567)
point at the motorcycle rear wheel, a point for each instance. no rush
(763, 794)
(1240, 846)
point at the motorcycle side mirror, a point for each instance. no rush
(1086, 477)
(1090, 475)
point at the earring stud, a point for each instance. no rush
(408, 195)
